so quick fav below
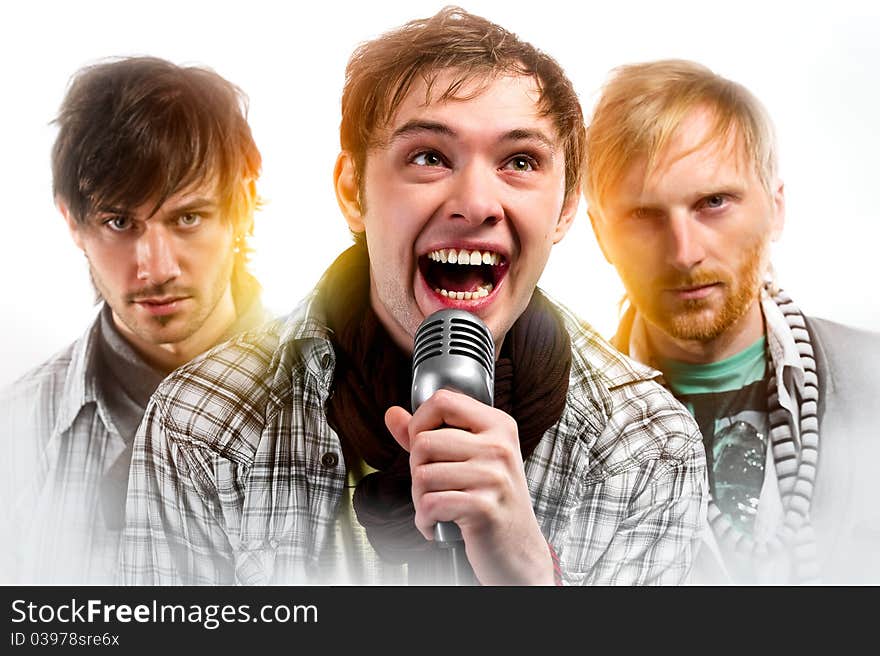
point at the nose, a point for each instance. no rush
(156, 256)
(685, 244)
(476, 195)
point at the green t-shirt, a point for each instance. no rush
(729, 401)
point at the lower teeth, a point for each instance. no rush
(481, 292)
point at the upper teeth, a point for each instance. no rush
(462, 256)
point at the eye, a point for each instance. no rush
(428, 158)
(118, 223)
(521, 163)
(714, 202)
(189, 220)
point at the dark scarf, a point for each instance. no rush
(373, 373)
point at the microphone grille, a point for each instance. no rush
(428, 341)
(471, 339)
(454, 332)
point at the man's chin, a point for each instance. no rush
(163, 330)
(694, 325)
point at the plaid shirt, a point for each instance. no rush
(59, 446)
(238, 478)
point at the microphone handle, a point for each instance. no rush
(447, 534)
(457, 568)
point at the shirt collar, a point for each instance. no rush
(783, 350)
(80, 386)
(787, 365)
(306, 321)
(305, 332)
(632, 339)
(786, 360)
(639, 348)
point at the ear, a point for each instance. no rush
(347, 193)
(778, 201)
(72, 226)
(594, 221)
(566, 217)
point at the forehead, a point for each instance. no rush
(694, 161)
(482, 105)
(203, 191)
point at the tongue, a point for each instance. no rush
(457, 278)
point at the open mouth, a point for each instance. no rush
(463, 274)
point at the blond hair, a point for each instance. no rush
(643, 106)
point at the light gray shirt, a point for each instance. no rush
(67, 428)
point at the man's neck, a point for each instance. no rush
(168, 357)
(739, 336)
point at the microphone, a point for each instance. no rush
(453, 350)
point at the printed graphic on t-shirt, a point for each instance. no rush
(734, 427)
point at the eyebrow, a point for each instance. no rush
(194, 204)
(521, 134)
(416, 127)
(198, 203)
(518, 134)
(109, 210)
(732, 189)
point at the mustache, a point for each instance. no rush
(159, 291)
(695, 278)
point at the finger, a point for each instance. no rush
(447, 408)
(398, 421)
(445, 445)
(445, 506)
(467, 509)
(461, 476)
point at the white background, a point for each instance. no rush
(814, 66)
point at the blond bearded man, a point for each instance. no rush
(684, 198)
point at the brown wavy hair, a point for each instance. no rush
(136, 129)
(381, 72)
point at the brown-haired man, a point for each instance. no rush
(154, 172)
(685, 198)
(288, 457)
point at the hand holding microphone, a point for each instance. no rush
(465, 459)
(453, 350)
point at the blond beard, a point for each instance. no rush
(695, 319)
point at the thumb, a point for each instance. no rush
(397, 421)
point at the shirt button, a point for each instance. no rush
(329, 460)
(325, 360)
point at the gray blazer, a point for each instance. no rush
(846, 499)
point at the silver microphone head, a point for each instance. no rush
(453, 350)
